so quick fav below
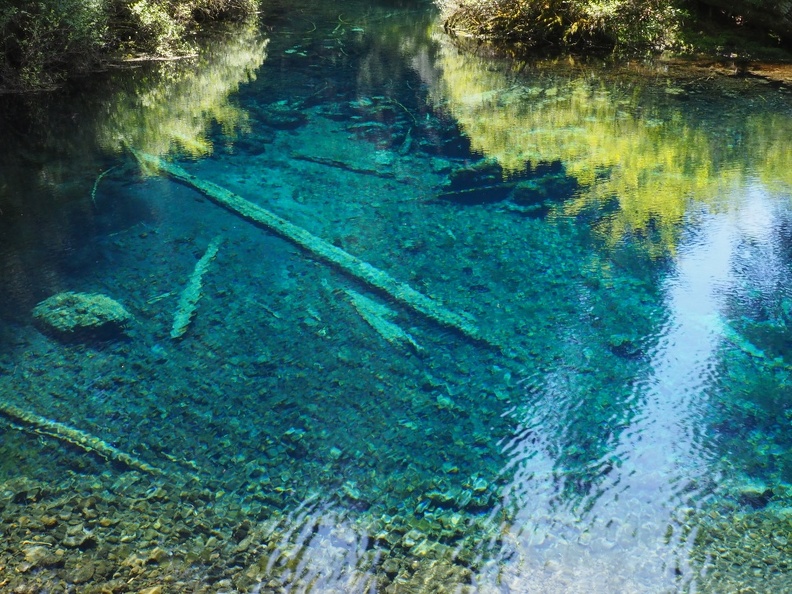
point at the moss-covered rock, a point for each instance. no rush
(75, 315)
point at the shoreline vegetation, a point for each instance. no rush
(744, 30)
(45, 42)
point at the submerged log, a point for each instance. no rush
(350, 264)
(379, 317)
(349, 167)
(191, 295)
(75, 437)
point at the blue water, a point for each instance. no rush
(617, 235)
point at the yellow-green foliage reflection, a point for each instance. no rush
(632, 141)
(173, 107)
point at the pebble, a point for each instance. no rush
(157, 555)
(83, 572)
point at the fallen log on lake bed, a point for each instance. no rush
(75, 437)
(363, 271)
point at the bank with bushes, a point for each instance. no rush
(42, 42)
(629, 25)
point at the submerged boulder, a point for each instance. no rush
(537, 196)
(75, 315)
(478, 183)
(283, 116)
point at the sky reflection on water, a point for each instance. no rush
(629, 528)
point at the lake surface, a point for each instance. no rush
(525, 329)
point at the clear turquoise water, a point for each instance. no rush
(628, 257)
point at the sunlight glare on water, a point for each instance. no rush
(627, 529)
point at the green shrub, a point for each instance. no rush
(633, 24)
(43, 41)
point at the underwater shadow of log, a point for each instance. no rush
(357, 268)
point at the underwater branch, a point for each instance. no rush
(363, 271)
